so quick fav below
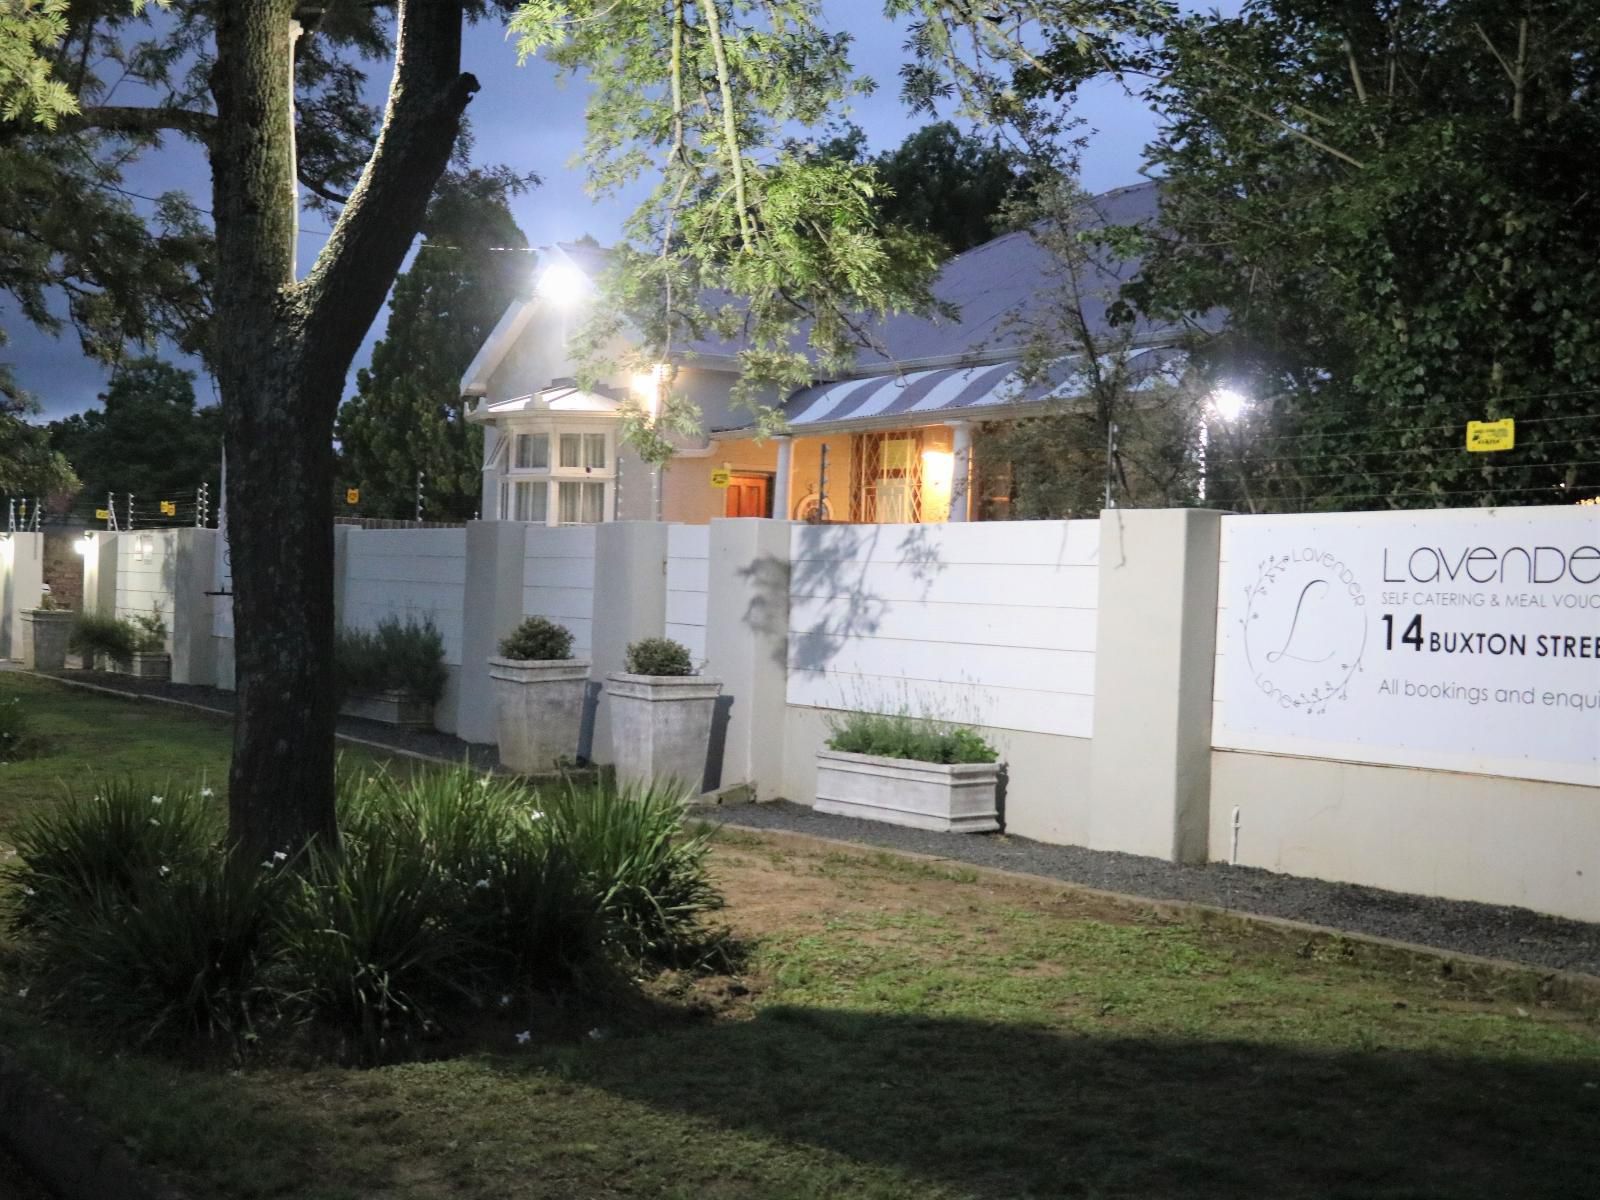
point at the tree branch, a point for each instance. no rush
(319, 188)
(201, 126)
(427, 96)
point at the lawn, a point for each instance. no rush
(900, 1031)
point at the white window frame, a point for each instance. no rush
(512, 476)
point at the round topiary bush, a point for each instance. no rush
(538, 639)
(658, 656)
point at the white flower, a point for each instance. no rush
(536, 815)
(22, 993)
(28, 891)
(165, 870)
(268, 865)
(279, 856)
(155, 821)
(524, 1037)
(481, 884)
(597, 1035)
(155, 799)
(505, 1001)
(206, 793)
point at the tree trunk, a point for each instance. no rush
(284, 348)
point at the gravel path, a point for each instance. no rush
(1515, 934)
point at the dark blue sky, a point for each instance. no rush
(527, 119)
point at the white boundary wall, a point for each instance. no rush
(1484, 791)
(688, 548)
(990, 624)
(558, 580)
(412, 574)
(147, 569)
(1087, 651)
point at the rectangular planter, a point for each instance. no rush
(949, 797)
(148, 665)
(661, 728)
(538, 708)
(44, 638)
(391, 708)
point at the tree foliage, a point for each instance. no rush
(407, 414)
(1392, 205)
(941, 181)
(148, 437)
(29, 468)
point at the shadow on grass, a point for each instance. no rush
(995, 1111)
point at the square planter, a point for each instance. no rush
(538, 707)
(44, 638)
(391, 707)
(661, 728)
(148, 664)
(949, 797)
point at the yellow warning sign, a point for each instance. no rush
(1483, 436)
(720, 477)
(102, 514)
(352, 495)
(169, 508)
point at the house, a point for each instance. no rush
(890, 442)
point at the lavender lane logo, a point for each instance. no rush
(1304, 628)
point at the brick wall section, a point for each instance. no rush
(63, 567)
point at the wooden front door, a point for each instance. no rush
(749, 496)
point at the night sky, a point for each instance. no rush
(525, 118)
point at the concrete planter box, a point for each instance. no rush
(44, 638)
(538, 708)
(148, 664)
(392, 707)
(949, 797)
(661, 727)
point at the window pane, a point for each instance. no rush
(569, 503)
(538, 502)
(594, 450)
(594, 503)
(533, 452)
(505, 502)
(570, 446)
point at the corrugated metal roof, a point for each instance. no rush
(921, 397)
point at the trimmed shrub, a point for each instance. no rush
(658, 656)
(396, 655)
(94, 634)
(900, 735)
(537, 639)
(16, 739)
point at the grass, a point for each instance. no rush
(86, 734)
(903, 1031)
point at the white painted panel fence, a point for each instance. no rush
(407, 573)
(988, 623)
(558, 580)
(688, 549)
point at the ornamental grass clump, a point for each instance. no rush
(393, 656)
(537, 639)
(658, 656)
(448, 888)
(900, 735)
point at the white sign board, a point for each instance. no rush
(1465, 640)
